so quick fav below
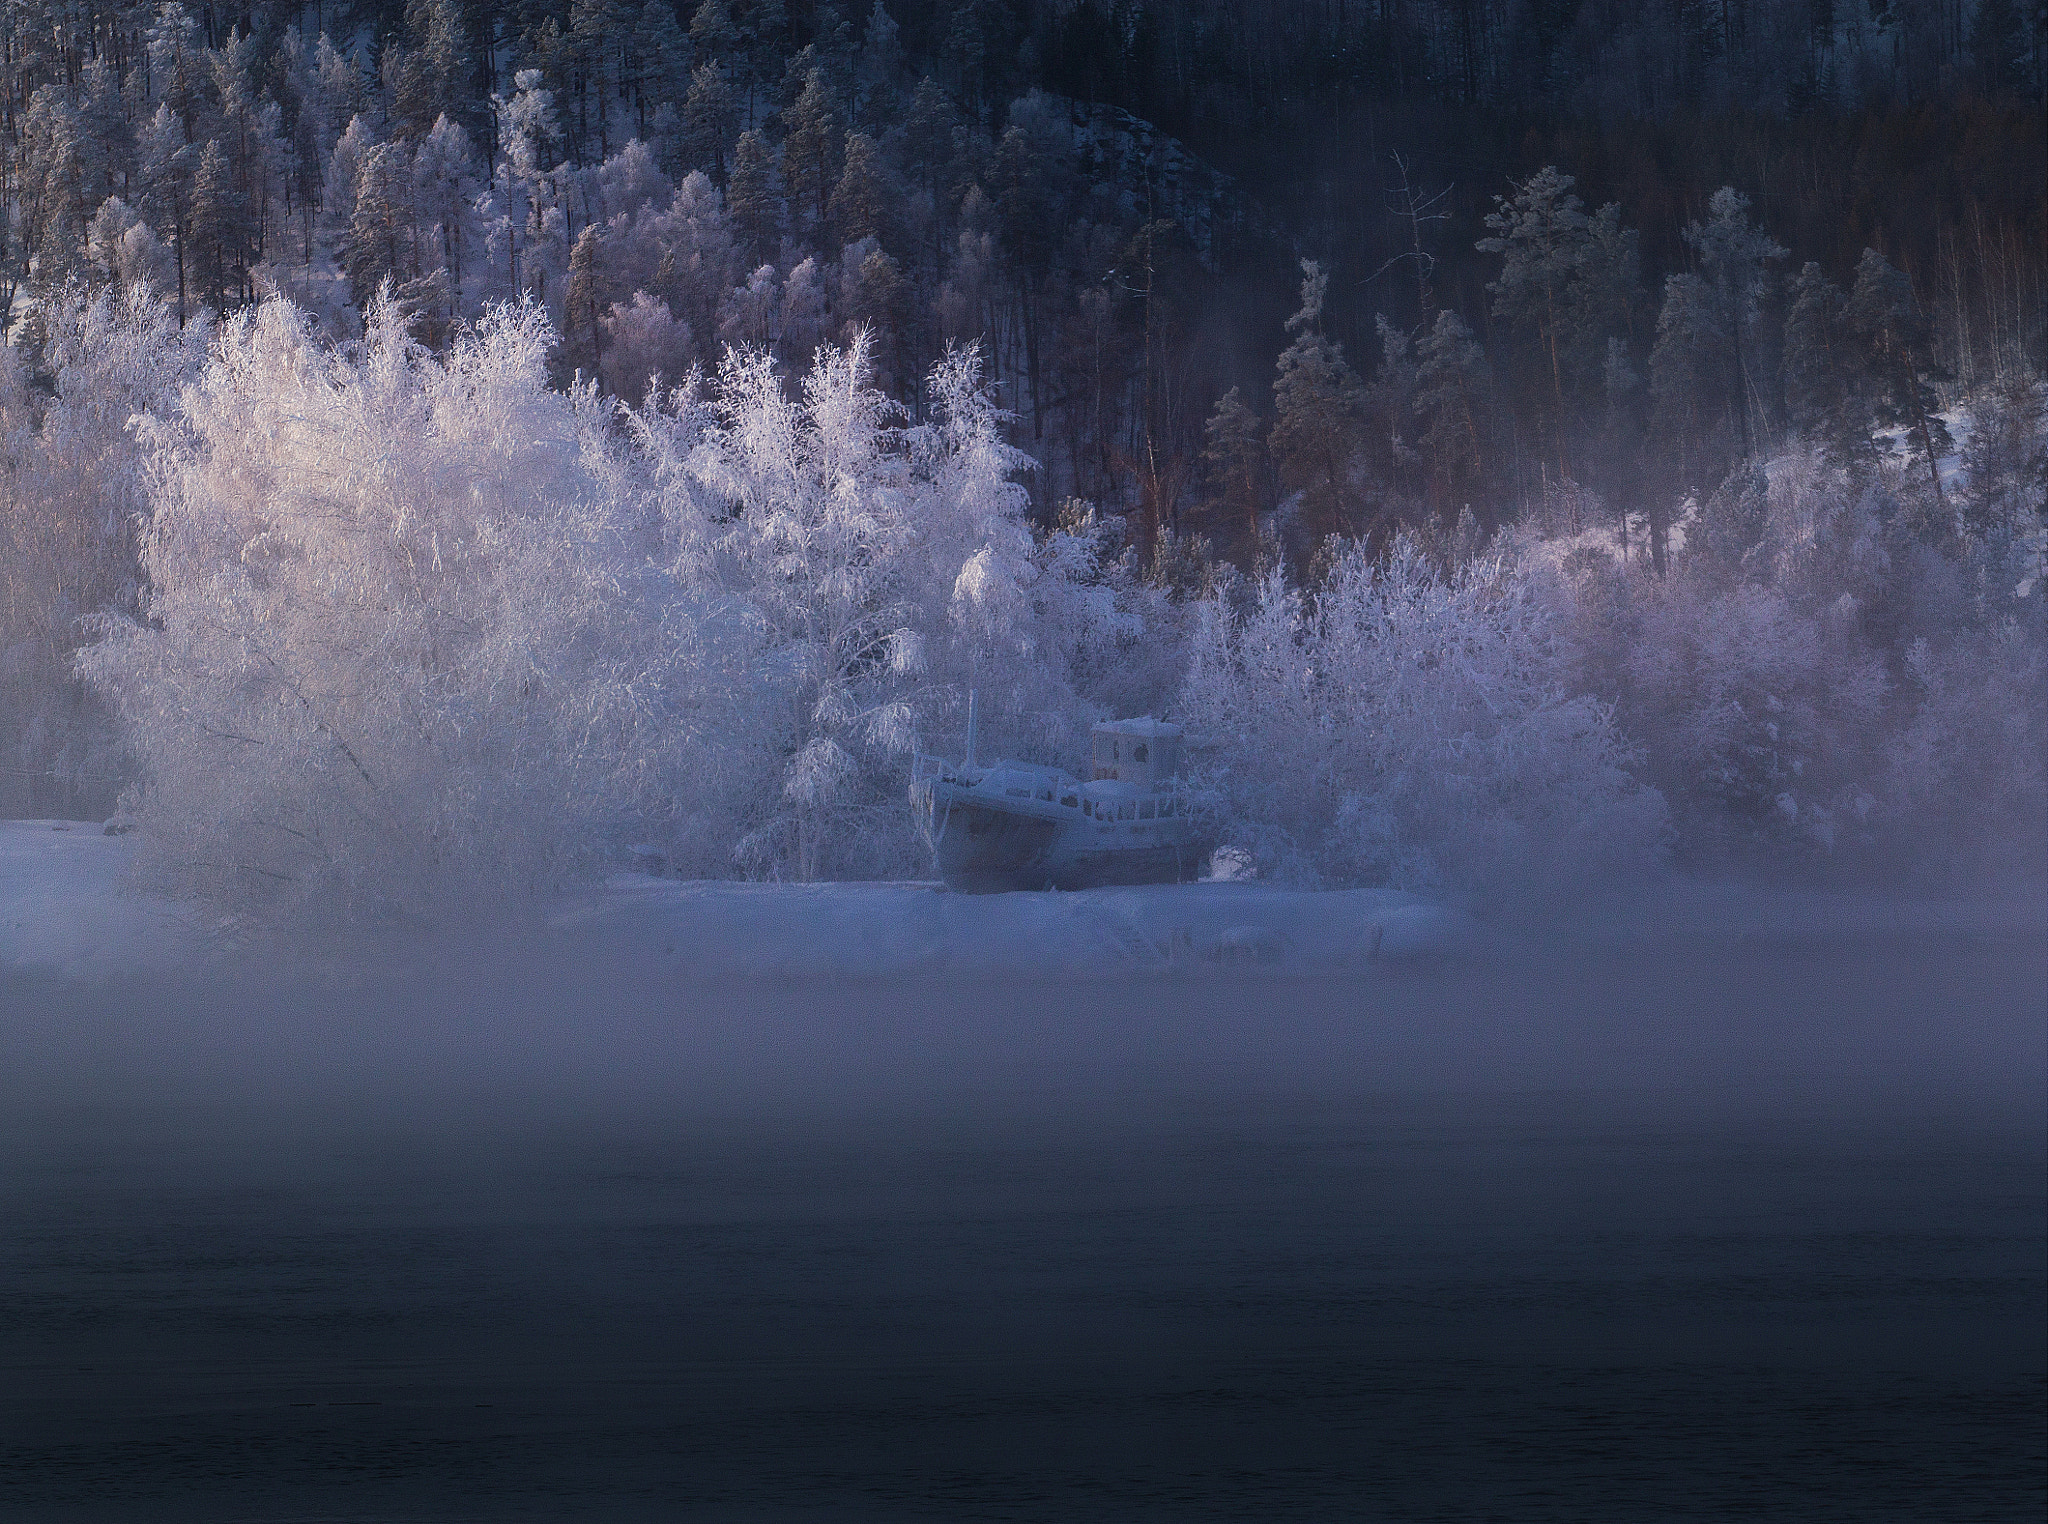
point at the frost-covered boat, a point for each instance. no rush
(1024, 825)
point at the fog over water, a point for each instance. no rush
(1687, 1229)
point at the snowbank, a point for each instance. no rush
(875, 928)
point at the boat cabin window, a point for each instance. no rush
(1138, 752)
(1145, 810)
(1123, 811)
(1068, 800)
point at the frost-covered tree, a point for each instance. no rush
(642, 341)
(446, 184)
(220, 228)
(74, 485)
(164, 164)
(822, 512)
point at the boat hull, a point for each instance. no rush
(1170, 863)
(983, 848)
(984, 851)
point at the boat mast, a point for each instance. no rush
(973, 719)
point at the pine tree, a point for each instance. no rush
(1316, 404)
(712, 34)
(1734, 254)
(583, 305)
(764, 40)
(1543, 236)
(1389, 405)
(811, 151)
(599, 32)
(710, 117)
(1823, 397)
(103, 114)
(379, 240)
(977, 37)
(1451, 407)
(164, 170)
(436, 76)
(340, 92)
(1999, 47)
(864, 202)
(928, 135)
(661, 60)
(177, 74)
(55, 175)
(219, 227)
(753, 198)
(1897, 340)
(872, 293)
(1734, 525)
(1690, 399)
(881, 61)
(1236, 463)
(833, 41)
(1605, 299)
(445, 184)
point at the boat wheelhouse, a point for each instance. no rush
(1024, 825)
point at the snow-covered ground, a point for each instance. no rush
(64, 910)
(875, 929)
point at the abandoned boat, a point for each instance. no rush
(1024, 825)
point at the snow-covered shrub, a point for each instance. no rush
(396, 647)
(1411, 728)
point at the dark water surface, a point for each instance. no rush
(1675, 1236)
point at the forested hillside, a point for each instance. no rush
(457, 439)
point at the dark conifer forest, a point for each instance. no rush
(448, 438)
